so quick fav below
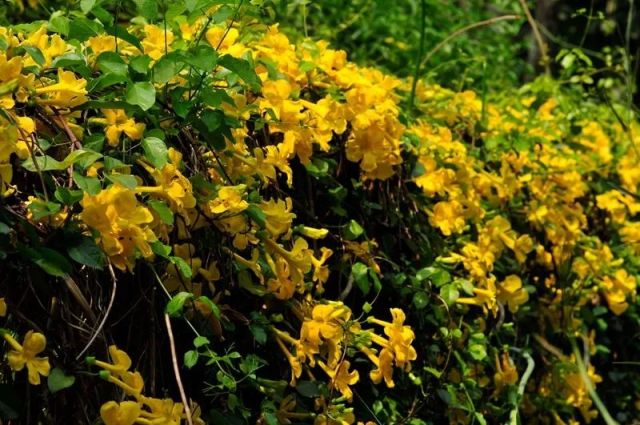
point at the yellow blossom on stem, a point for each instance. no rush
(121, 222)
(157, 42)
(228, 200)
(384, 366)
(341, 378)
(124, 413)
(616, 288)
(68, 92)
(26, 354)
(400, 338)
(448, 217)
(326, 323)
(117, 122)
(512, 293)
(506, 373)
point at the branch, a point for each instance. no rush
(176, 369)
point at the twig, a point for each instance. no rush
(536, 34)
(462, 30)
(176, 369)
(106, 314)
(65, 126)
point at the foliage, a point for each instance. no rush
(203, 221)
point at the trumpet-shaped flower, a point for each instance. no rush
(68, 92)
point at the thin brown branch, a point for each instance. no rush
(542, 45)
(176, 369)
(106, 313)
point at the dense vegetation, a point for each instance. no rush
(232, 212)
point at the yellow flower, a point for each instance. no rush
(400, 338)
(164, 412)
(278, 216)
(511, 292)
(214, 36)
(121, 362)
(448, 217)
(326, 323)
(26, 355)
(506, 373)
(281, 285)
(616, 288)
(341, 378)
(229, 200)
(9, 72)
(124, 413)
(121, 221)
(117, 122)
(3, 307)
(69, 92)
(173, 186)
(384, 366)
(157, 42)
(49, 46)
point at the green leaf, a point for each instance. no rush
(477, 351)
(182, 265)
(166, 68)
(242, 68)
(360, 272)
(308, 389)
(191, 358)
(202, 57)
(140, 64)
(91, 185)
(200, 341)
(212, 306)
(176, 304)
(125, 180)
(160, 249)
(211, 125)
(42, 209)
(47, 163)
(449, 294)
(436, 275)
(34, 52)
(58, 381)
(59, 24)
(420, 300)
(122, 33)
(353, 230)
(47, 259)
(87, 5)
(155, 150)
(141, 94)
(259, 333)
(112, 63)
(82, 29)
(43, 162)
(147, 8)
(85, 251)
(164, 212)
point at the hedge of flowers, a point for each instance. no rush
(204, 222)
